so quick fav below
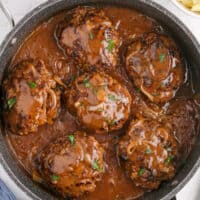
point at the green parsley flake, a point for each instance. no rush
(91, 36)
(55, 177)
(11, 102)
(116, 137)
(95, 90)
(169, 149)
(71, 138)
(72, 77)
(169, 159)
(155, 94)
(112, 97)
(32, 85)
(100, 109)
(111, 45)
(112, 122)
(86, 66)
(162, 57)
(148, 151)
(102, 170)
(141, 171)
(137, 90)
(86, 83)
(95, 165)
(81, 104)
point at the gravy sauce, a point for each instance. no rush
(41, 44)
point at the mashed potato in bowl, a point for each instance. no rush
(193, 5)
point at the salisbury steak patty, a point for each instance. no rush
(101, 103)
(89, 37)
(149, 151)
(72, 164)
(183, 115)
(155, 66)
(31, 97)
(144, 108)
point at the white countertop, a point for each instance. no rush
(20, 7)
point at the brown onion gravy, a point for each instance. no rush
(41, 44)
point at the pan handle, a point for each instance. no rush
(7, 13)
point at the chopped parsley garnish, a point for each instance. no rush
(102, 170)
(137, 90)
(91, 36)
(162, 84)
(71, 138)
(112, 97)
(100, 109)
(55, 177)
(112, 122)
(86, 66)
(141, 171)
(95, 165)
(32, 84)
(169, 159)
(162, 57)
(81, 104)
(116, 137)
(148, 151)
(155, 94)
(111, 45)
(86, 83)
(11, 102)
(72, 77)
(169, 149)
(95, 90)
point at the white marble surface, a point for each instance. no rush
(20, 7)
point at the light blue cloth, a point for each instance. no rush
(5, 194)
